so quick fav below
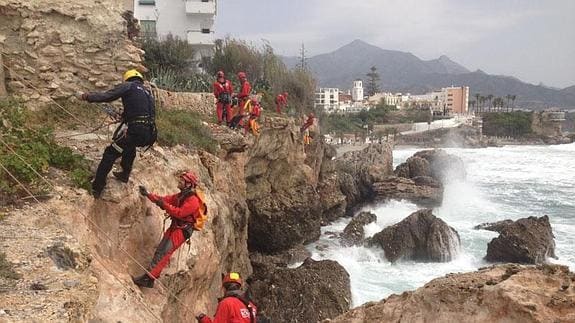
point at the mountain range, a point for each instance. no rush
(406, 73)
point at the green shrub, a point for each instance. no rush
(38, 149)
(180, 127)
(503, 124)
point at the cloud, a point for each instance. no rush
(426, 28)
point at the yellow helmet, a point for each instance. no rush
(132, 73)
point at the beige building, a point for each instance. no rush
(456, 99)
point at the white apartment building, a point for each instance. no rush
(327, 99)
(389, 99)
(192, 20)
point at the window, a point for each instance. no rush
(148, 28)
(205, 30)
(147, 2)
(205, 0)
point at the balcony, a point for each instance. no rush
(197, 37)
(200, 7)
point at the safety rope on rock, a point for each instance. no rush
(63, 228)
(106, 235)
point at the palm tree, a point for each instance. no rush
(477, 96)
(489, 98)
(508, 98)
(472, 104)
(513, 97)
(481, 102)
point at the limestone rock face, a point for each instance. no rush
(405, 188)
(56, 50)
(528, 240)
(420, 236)
(333, 201)
(354, 234)
(281, 190)
(123, 227)
(314, 291)
(504, 293)
(359, 170)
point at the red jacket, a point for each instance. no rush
(231, 310)
(281, 99)
(220, 88)
(245, 90)
(187, 210)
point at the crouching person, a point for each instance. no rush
(187, 211)
(234, 306)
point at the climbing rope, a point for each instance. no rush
(164, 287)
(63, 228)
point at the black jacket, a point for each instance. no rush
(136, 99)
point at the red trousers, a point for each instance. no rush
(173, 238)
(220, 112)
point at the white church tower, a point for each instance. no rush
(357, 91)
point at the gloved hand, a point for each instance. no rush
(143, 190)
(82, 96)
(160, 203)
(200, 317)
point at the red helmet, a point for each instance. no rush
(231, 278)
(220, 74)
(241, 75)
(190, 178)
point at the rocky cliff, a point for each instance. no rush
(119, 233)
(504, 293)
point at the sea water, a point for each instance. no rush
(509, 182)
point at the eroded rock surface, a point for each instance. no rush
(354, 233)
(312, 292)
(504, 293)
(420, 236)
(528, 240)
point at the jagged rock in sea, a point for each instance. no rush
(528, 240)
(440, 165)
(314, 291)
(426, 191)
(334, 202)
(353, 234)
(281, 190)
(493, 226)
(420, 236)
(359, 170)
(503, 293)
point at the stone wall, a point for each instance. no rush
(548, 123)
(57, 49)
(203, 103)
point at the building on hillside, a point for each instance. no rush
(390, 99)
(191, 20)
(357, 91)
(327, 99)
(447, 101)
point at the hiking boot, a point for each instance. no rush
(144, 281)
(96, 193)
(121, 176)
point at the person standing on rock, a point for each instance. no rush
(188, 212)
(244, 94)
(234, 306)
(223, 91)
(138, 128)
(281, 102)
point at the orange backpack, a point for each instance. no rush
(203, 217)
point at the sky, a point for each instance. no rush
(533, 40)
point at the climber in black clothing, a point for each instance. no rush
(137, 129)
